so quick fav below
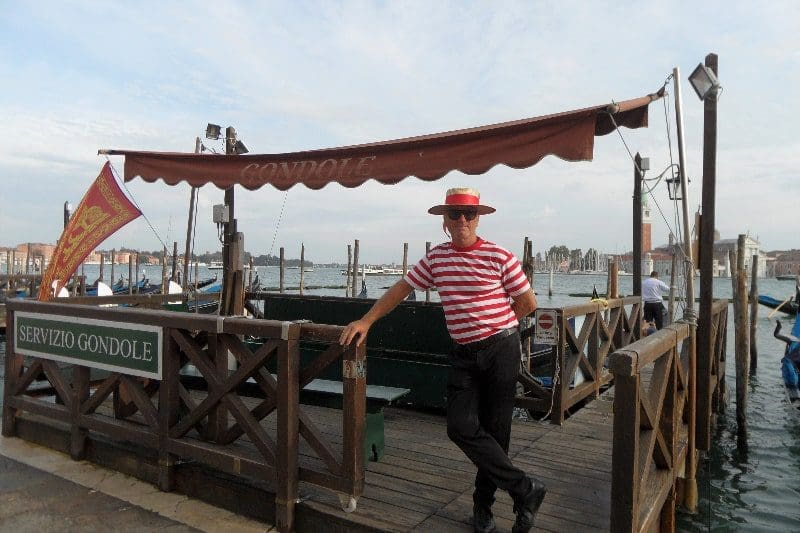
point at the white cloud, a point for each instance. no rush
(294, 76)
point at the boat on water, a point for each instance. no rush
(786, 277)
(215, 265)
(374, 271)
(789, 306)
(790, 363)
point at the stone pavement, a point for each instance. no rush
(44, 490)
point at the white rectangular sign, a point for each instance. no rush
(546, 331)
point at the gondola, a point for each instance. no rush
(789, 306)
(790, 363)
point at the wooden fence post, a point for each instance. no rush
(625, 474)
(168, 406)
(560, 379)
(288, 430)
(13, 369)
(80, 393)
(354, 386)
(302, 265)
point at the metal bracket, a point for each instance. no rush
(354, 369)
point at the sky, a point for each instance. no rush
(291, 76)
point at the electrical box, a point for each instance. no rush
(220, 214)
(644, 165)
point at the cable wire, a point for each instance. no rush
(133, 200)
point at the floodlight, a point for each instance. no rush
(213, 131)
(239, 148)
(704, 82)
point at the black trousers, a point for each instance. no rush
(480, 402)
(654, 312)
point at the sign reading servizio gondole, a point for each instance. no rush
(133, 349)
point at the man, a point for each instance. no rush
(484, 293)
(651, 296)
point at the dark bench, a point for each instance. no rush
(328, 393)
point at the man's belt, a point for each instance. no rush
(488, 341)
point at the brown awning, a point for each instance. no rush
(518, 144)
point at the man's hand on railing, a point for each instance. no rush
(356, 330)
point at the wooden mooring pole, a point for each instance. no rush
(349, 272)
(613, 280)
(672, 274)
(113, 260)
(302, 265)
(131, 278)
(281, 267)
(742, 347)
(355, 269)
(427, 291)
(753, 314)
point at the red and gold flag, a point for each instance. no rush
(102, 211)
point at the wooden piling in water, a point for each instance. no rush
(672, 277)
(613, 279)
(113, 260)
(131, 278)
(550, 288)
(349, 272)
(753, 314)
(28, 259)
(405, 258)
(174, 261)
(102, 266)
(164, 270)
(742, 347)
(302, 265)
(196, 277)
(281, 274)
(355, 269)
(250, 274)
(427, 291)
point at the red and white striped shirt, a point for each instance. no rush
(475, 285)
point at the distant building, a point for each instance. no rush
(723, 247)
(784, 263)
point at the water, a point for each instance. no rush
(757, 492)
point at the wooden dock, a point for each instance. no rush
(423, 482)
(245, 454)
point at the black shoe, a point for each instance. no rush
(527, 507)
(482, 519)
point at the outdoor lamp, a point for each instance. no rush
(674, 187)
(704, 82)
(213, 131)
(239, 148)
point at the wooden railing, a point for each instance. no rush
(605, 328)
(711, 390)
(650, 429)
(207, 426)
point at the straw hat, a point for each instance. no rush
(461, 197)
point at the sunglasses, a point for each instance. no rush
(455, 214)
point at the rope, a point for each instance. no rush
(278, 223)
(133, 200)
(556, 374)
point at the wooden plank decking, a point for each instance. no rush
(424, 482)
